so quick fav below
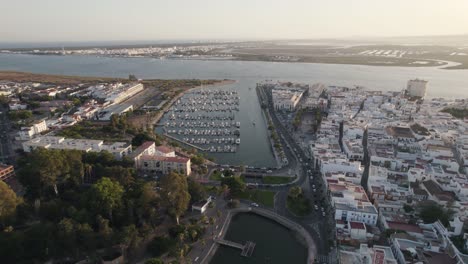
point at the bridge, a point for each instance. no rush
(246, 249)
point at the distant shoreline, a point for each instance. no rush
(18, 76)
(441, 63)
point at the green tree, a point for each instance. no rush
(433, 212)
(114, 121)
(106, 195)
(408, 208)
(66, 235)
(193, 234)
(295, 192)
(161, 245)
(130, 237)
(235, 184)
(145, 195)
(19, 115)
(138, 139)
(4, 100)
(105, 231)
(86, 238)
(42, 170)
(196, 191)
(154, 261)
(175, 194)
(8, 203)
(197, 160)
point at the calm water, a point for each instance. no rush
(274, 243)
(254, 149)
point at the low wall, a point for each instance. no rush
(310, 244)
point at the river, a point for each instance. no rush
(254, 149)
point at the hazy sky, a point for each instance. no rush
(101, 20)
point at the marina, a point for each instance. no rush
(205, 118)
(255, 149)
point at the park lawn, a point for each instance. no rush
(277, 179)
(215, 176)
(265, 198)
(300, 206)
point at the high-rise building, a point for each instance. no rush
(416, 88)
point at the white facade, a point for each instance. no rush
(357, 212)
(286, 99)
(337, 165)
(118, 149)
(115, 93)
(27, 133)
(159, 159)
(165, 165)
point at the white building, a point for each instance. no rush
(416, 88)
(27, 133)
(118, 109)
(286, 98)
(164, 165)
(161, 159)
(352, 204)
(201, 206)
(368, 255)
(115, 93)
(118, 149)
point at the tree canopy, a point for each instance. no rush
(196, 191)
(106, 195)
(235, 184)
(8, 202)
(175, 194)
(98, 204)
(433, 212)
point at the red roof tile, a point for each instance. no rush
(357, 225)
(164, 149)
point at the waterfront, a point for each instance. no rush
(255, 149)
(274, 243)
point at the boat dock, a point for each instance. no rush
(246, 249)
(186, 143)
(206, 120)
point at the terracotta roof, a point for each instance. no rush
(164, 149)
(404, 227)
(341, 222)
(5, 166)
(379, 256)
(357, 225)
(143, 147)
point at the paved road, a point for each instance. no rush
(319, 227)
(199, 251)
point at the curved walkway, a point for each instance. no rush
(310, 244)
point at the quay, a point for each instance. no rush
(186, 143)
(246, 249)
